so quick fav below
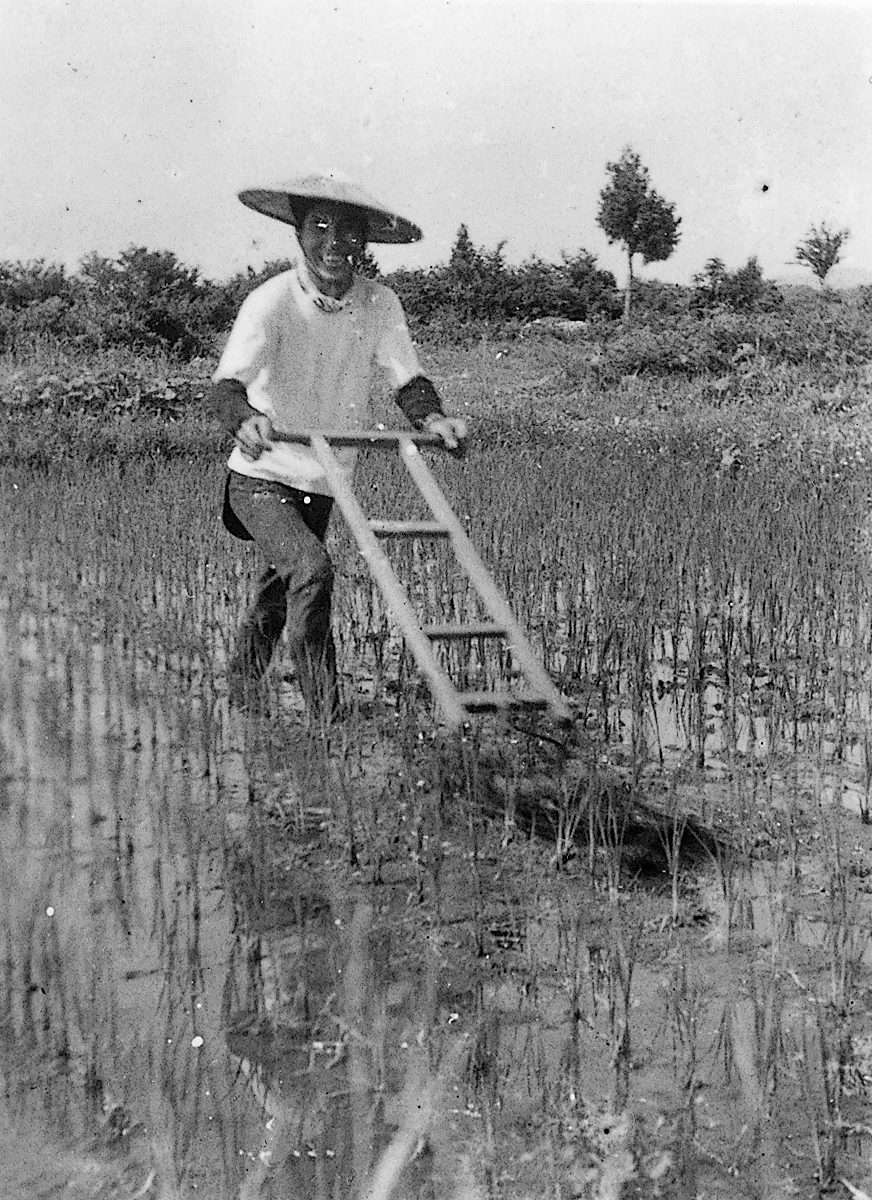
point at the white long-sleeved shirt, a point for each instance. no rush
(309, 369)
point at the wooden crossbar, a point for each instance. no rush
(464, 632)
(408, 529)
(456, 706)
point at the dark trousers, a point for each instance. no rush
(295, 591)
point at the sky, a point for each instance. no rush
(129, 123)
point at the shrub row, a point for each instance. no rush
(147, 299)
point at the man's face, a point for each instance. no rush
(331, 237)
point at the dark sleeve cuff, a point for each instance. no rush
(228, 402)
(418, 399)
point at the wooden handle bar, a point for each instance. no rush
(382, 439)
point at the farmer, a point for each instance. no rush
(300, 357)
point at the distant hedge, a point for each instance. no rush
(146, 300)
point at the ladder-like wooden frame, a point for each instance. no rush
(457, 707)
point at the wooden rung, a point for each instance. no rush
(408, 529)
(488, 629)
(500, 700)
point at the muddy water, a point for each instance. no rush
(207, 996)
(185, 1008)
(118, 938)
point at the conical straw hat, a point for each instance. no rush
(382, 225)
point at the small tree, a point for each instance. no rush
(478, 282)
(711, 281)
(821, 250)
(633, 213)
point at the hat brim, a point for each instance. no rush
(381, 225)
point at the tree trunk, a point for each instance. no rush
(628, 294)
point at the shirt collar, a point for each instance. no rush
(328, 304)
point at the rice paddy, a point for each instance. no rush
(245, 958)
